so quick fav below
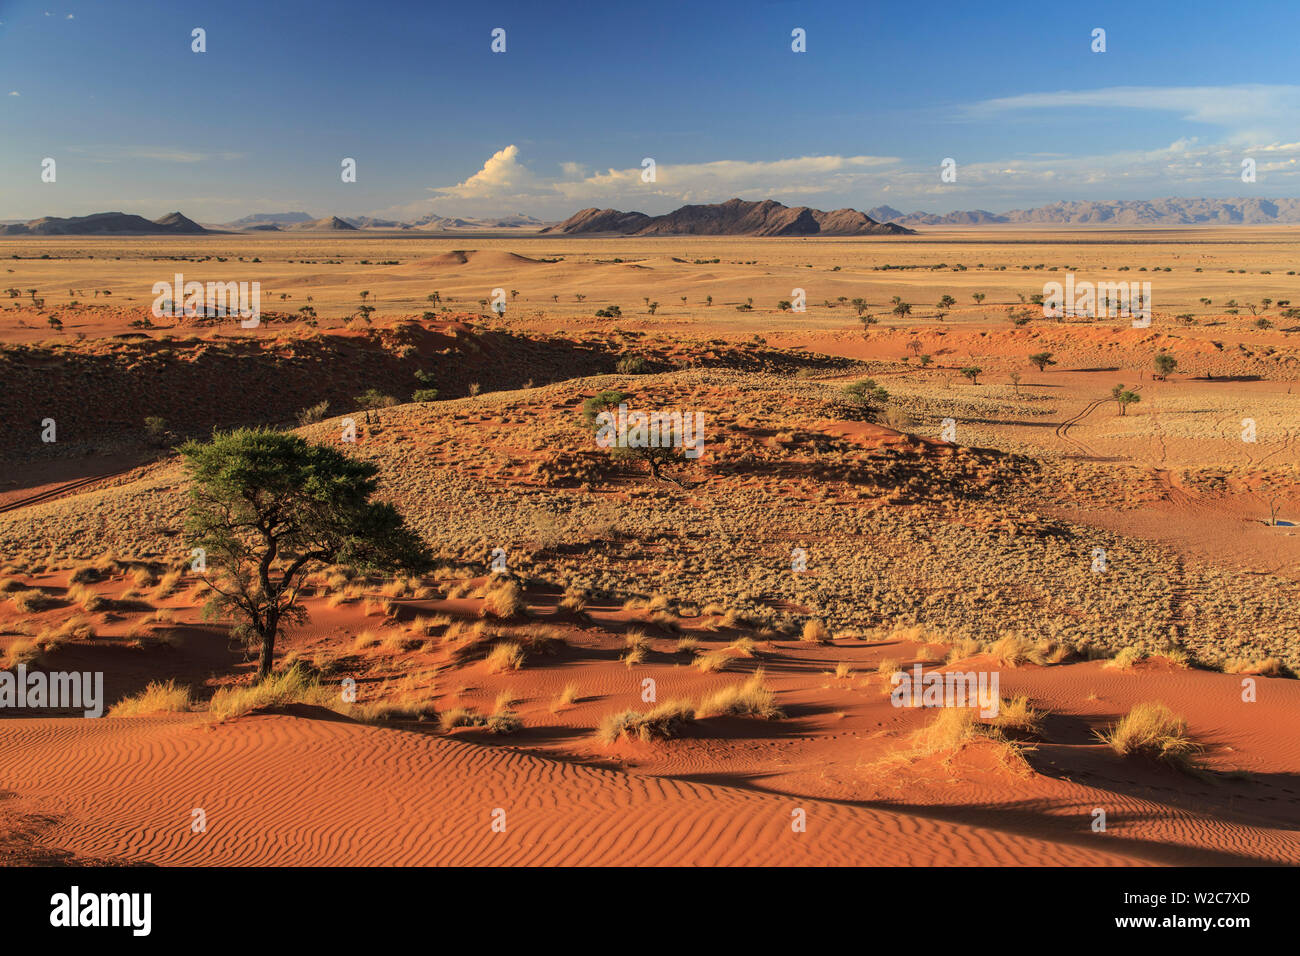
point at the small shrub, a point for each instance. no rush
(1153, 730)
(504, 657)
(156, 698)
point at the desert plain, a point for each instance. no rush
(1127, 569)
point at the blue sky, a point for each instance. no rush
(712, 91)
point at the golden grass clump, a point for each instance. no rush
(753, 698)
(156, 698)
(963, 648)
(1174, 655)
(1124, 660)
(659, 602)
(712, 661)
(743, 647)
(85, 598)
(1153, 730)
(1049, 651)
(665, 721)
(503, 720)
(815, 632)
(167, 585)
(1016, 714)
(667, 621)
(293, 686)
(953, 728)
(1012, 650)
(83, 574)
(687, 645)
(1268, 667)
(504, 601)
(74, 628)
(505, 656)
(887, 668)
(460, 717)
(542, 639)
(565, 698)
(637, 640)
(31, 600)
(22, 652)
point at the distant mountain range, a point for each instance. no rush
(104, 223)
(301, 221)
(735, 217)
(1117, 212)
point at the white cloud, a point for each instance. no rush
(505, 183)
(14, 93)
(1249, 111)
(1186, 166)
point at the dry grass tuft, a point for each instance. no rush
(964, 648)
(1153, 730)
(461, 717)
(505, 656)
(31, 600)
(667, 720)
(1012, 650)
(1016, 714)
(712, 661)
(753, 698)
(1124, 660)
(565, 698)
(953, 728)
(504, 601)
(156, 698)
(815, 632)
(22, 652)
(85, 598)
(293, 686)
(1268, 667)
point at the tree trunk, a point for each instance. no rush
(267, 657)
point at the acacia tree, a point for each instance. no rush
(267, 508)
(1124, 398)
(599, 412)
(1165, 363)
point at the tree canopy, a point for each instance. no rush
(267, 506)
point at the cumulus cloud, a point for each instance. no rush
(502, 175)
(1187, 166)
(505, 182)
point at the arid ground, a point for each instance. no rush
(1097, 557)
